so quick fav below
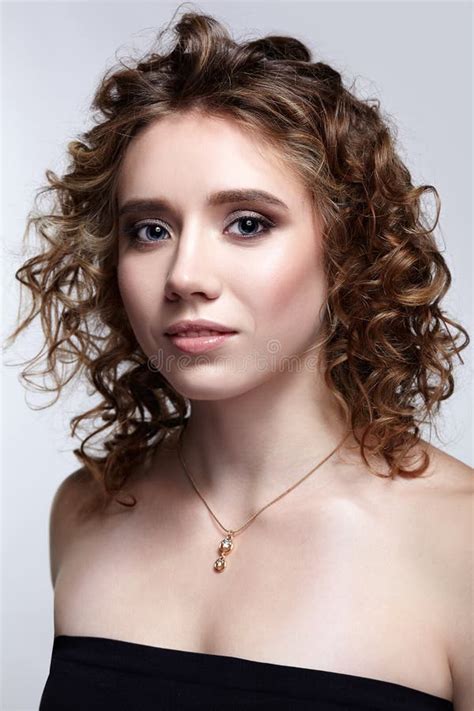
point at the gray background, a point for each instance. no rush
(414, 56)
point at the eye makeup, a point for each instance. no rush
(132, 230)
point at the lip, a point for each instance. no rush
(197, 325)
(199, 344)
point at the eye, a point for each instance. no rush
(153, 231)
(248, 220)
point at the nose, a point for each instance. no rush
(192, 271)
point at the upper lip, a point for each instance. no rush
(201, 324)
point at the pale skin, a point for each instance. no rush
(347, 573)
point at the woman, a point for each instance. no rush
(264, 526)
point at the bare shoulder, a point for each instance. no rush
(75, 501)
(452, 471)
(451, 505)
(453, 531)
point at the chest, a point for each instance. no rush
(343, 589)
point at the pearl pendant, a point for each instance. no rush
(225, 547)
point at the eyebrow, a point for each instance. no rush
(220, 198)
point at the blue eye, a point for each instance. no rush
(134, 232)
(247, 221)
(153, 231)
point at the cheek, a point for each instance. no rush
(140, 296)
(293, 290)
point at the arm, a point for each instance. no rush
(64, 517)
(461, 633)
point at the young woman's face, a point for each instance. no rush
(248, 264)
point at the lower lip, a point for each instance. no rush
(199, 344)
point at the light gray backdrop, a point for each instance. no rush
(414, 56)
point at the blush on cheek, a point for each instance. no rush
(130, 301)
(140, 306)
(298, 298)
(136, 289)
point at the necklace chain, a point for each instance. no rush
(226, 544)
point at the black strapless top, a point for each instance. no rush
(92, 673)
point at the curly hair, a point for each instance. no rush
(387, 346)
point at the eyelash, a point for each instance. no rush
(132, 230)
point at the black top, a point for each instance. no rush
(92, 673)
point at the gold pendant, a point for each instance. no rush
(225, 547)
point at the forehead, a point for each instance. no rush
(194, 154)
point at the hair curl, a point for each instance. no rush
(385, 336)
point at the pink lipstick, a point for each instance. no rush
(199, 341)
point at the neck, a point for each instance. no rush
(244, 451)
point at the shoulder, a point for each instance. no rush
(75, 501)
(448, 490)
(453, 532)
(77, 495)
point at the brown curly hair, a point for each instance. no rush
(388, 349)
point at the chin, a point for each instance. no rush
(208, 385)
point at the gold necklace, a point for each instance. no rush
(226, 545)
